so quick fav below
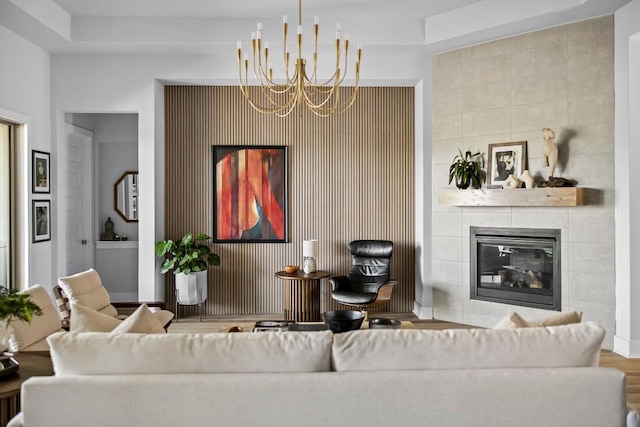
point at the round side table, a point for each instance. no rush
(301, 295)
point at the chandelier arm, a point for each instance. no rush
(265, 80)
(271, 91)
(267, 91)
(326, 99)
(346, 63)
(338, 108)
(244, 88)
(325, 112)
(274, 109)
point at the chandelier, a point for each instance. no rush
(281, 97)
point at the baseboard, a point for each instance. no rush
(626, 348)
(423, 313)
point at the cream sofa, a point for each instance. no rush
(523, 377)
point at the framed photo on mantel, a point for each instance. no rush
(505, 158)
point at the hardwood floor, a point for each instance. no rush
(222, 324)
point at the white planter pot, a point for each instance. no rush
(187, 286)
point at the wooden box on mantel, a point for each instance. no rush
(550, 196)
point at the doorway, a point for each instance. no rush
(109, 144)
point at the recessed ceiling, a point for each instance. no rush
(260, 8)
(205, 27)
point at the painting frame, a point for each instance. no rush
(41, 220)
(516, 158)
(250, 194)
(40, 172)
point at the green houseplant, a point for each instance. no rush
(188, 258)
(188, 255)
(466, 169)
(14, 306)
(17, 305)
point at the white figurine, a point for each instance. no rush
(528, 180)
(511, 182)
(549, 150)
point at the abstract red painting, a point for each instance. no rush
(251, 193)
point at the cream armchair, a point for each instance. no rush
(86, 289)
(32, 336)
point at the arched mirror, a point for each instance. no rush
(125, 196)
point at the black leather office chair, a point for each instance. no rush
(369, 283)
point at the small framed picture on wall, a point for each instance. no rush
(41, 219)
(41, 172)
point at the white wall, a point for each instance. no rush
(25, 98)
(627, 200)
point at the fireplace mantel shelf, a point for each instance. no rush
(559, 196)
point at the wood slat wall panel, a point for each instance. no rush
(349, 177)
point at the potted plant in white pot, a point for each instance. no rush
(189, 259)
(466, 169)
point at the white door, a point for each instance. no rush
(78, 201)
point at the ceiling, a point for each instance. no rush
(203, 27)
(259, 8)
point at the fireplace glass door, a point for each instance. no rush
(516, 266)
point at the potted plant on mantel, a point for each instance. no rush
(188, 258)
(466, 169)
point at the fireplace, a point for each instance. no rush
(519, 266)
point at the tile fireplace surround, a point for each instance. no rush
(508, 90)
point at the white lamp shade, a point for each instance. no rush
(310, 248)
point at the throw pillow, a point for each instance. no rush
(142, 321)
(511, 321)
(557, 319)
(163, 316)
(85, 319)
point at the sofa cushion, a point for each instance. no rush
(557, 346)
(85, 288)
(514, 320)
(141, 321)
(24, 333)
(92, 353)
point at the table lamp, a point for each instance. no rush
(309, 252)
